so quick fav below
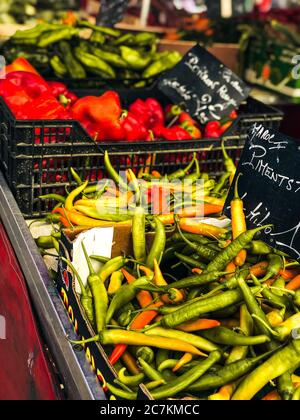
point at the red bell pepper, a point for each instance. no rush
(133, 129)
(149, 112)
(62, 93)
(20, 64)
(100, 116)
(156, 111)
(174, 133)
(30, 97)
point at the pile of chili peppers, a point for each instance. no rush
(203, 312)
(29, 96)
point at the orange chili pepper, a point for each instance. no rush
(186, 358)
(196, 226)
(272, 396)
(294, 284)
(200, 324)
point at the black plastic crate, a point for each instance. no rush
(36, 155)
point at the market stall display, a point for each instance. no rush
(194, 313)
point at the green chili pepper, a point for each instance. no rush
(198, 280)
(163, 64)
(297, 298)
(159, 243)
(167, 364)
(296, 395)
(124, 295)
(138, 235)
(220, 185)
(51, 37)
(121, 393)
(74, 68)
(134, 59)
(181, 173)
(85, 298)
(227, 374)
(99, 294)
(187, 379)
(113, 59)
(125, 317)
(102, 260)
(45, 242)
(58, 66)
(170, 252)
(221, 335)
(285, 386)
(195, 175)
(54, 197)
(97, 38)
(229, 253)
(131, 381)
(246, 327)
(278, 364)
(149, 371)
(104, 30)
(108, 216)
(228, 162)
(145, 38)
(275, 266)
(190, 261)
(94, 64)
(113, 173)
(197, 341)
(259, 248)
(204, 306)
(126, 39)
(154, 384)
(145, 353)
(110, 267)
(161, 355)
(203, 251)
(279, 283)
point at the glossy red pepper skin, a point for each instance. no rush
(157, 113)
(174, 133)
(100, 116)
(29, 97)
(134, 130)
(149, 112)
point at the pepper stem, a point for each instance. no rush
(83, 290)
(274, 333)
(91, 268)
(83, 342)
(236, 188)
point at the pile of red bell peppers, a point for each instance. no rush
(30, 97)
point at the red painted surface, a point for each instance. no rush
(24, 371)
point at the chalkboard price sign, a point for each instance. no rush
(111, 12)
(205, 87)
(270, 187)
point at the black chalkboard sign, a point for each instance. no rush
(205, 87)
(111, 12)
(270, 187)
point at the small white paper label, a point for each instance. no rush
(97, 241)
